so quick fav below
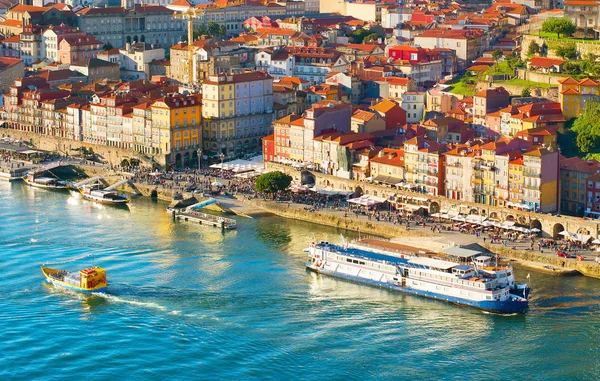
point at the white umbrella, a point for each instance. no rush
(596, 241)
(217, 184)
(565, 233)
(535, 230)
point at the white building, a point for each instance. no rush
(134, 60)
(310, 64)
(413, 102)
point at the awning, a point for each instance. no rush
(390, 180)
(460, 252)
(367, 200)
(331, 192)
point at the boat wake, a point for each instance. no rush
(33, 240)
(116, 299)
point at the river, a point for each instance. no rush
(192, 302)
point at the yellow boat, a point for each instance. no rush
(92, 279)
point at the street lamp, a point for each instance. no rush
(222, 156)
(199, 152)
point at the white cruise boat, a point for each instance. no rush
(432, 278)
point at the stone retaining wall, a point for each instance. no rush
(324, 218)
(50, 143)
(587, 269)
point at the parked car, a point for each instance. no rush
(565, 255)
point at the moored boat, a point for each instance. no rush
(92, 279)
(107, 197)
(431, 278)
(49, 183)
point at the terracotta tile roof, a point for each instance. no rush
(384, 106)
(568, 81)
(288, 119)
(577, 164)
(363, 115)
(12, 23)
(545, 62)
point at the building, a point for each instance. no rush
(467, 43)
(488, 101)
(153, 24)
(541, 176)
(387, 167)
(573, 94)
(593, 196)
(78, 48)
(363, 121)
(584, 13)
(96, 69)
(134, 60)
(268, 148)
(545, 65)
(391, 112)
(574, 174)
(51, 39)
(413, 102)
(310, 64)
(10, 70)
(238, 111)
(178, 122)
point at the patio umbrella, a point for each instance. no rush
(596, 241)
(217, 184)
(565, 233)
(535, 230)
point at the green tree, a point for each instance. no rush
(559, 26)
(526, 92)
(497, 54)
(272, 182)
(587, 128)
(587, 142)
(566, 51)
(107, 46)
(373, 37)
(533, 49)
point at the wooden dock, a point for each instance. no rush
(205, 219)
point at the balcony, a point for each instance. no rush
(531, 187)
(456, 164)
(532, 174)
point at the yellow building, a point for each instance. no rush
(178, 120)
(573, 94)
(515, 184)
(237, 110)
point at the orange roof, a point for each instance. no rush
(588, 82)
(568, 81)
(384, 106)
(14, 23)
(363, 115)
(545, 62)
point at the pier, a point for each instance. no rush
(205, 219)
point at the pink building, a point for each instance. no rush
(74, 49)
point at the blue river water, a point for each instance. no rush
(192, 302)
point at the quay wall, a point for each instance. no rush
(585, 268)
(549, 225)
(324, 218)
(112, 155)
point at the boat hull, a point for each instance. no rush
(122, 202)
(59, 283)
(501, 307)
(67, 286)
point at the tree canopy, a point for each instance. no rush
(533, 49)
(361, 35)
(497, 54)
(272, 182)
(587, 128)
(559, 26)
(566, 51)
